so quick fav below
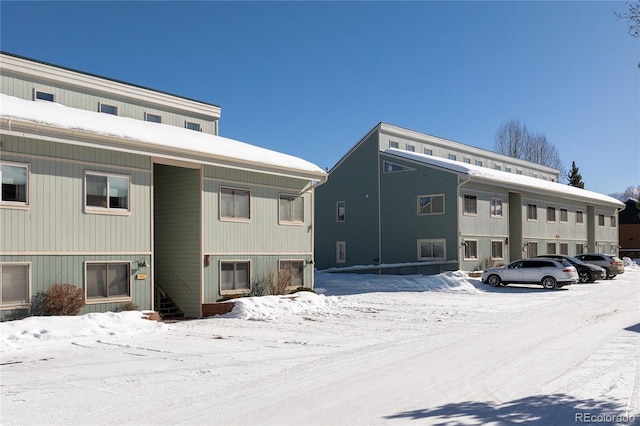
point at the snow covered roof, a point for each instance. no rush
(507, 179)
(154, 136)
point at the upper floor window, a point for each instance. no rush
(551, 214)
(105, 191)
(430, 204)
(579, 217)
(479, 163)
(532, 212)
(467, 160)
(291, 209)
(15, 179)
(518, 171)
(107, 280)
(389, 167)
(535, 175)
(496, 207)
(431, 249)
(507, 169)
(154, 118)
(411, 148)
(470, 205)
(393, 144)
(613, 221)
(600, 220)
(564, 215)
(498, 167)
(428, 151)
(235, 203)
(15, 285)
(452, 157)
(108, 109)
(192, 126)
(39, 95)
(340, 211)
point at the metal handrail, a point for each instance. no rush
(173, 274)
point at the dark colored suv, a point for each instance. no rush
(610, 262)
(587, 272)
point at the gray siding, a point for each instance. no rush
(516, 219)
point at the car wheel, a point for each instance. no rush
(610, 277)
(585, 277)
(494, 281)
(549, 283)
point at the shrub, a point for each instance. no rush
(284, 282)
(37, 304)
(63, 299)
(128, 306)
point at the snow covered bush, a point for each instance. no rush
(63, 299)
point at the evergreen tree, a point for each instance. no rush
(574, 176)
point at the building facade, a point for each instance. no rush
(405, 202)
(130, 194)
(629, 219)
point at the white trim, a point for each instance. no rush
(291, 222)
(253, 185)
(46, 92)
(273, 254)
(76, 253)
(115, 107)
(465, 247)
(148, 114)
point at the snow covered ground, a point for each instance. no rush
(368, 349)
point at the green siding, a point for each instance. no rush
(177, 235)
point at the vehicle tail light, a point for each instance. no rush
(569, 269)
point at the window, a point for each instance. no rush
(108, 109)
(564, 249)
(532, 249)
(109, 192)
(234, 277)
(428, 151)
(107, 280)
(467, 160)
(235, 203)
(431, 249)
(291, 209)
(39, 95)
(551, 214)
(340, 211)
(192, 126)
(600, 220)
(14, 284)
(430, 204)
(507, 169)
(518, 171)
(479, 163)
(496, 207)
(152, 117)
(393, 144)
(579, 248)
(470, 205)
(497, 249)
(389, 167)
(471, 249)
(579, 217)
(411, 148)
(15, 178)
(293, 269)
(497, 167)
(532, 212)
(341, 251)
(551, 248)
(613, 221)
(452, 157)
(601, 248)
(564, 215)
(535, 175)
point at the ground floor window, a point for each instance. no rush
(431, 249)
(564, 249)
(14, 284)
(496, 250)
(579, 248)
(341, 251)
(234, 276)
(108, 280)
(293, 270)
(470, 249)
(551, 248)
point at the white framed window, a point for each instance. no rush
(154, 118)
(294, 268)
(518, 171)
(470, 249)
(613, 221)
(496, 207)
(467, 160)
(235, 276)
(601, 221)
(432, 249)
(107, 280)
(15, 183)
(507, 169)
(341, 252)
(470, 205)
(411, 148)
(564, 216)
(428, 151)
(430, 204)
(192, 126)
(497, 249)
(551, 214)
(551, 248)
(15, 284)
(532, 249)
(535, 175)
(340, 211)
(106, 192)
(452, 157)
(564, 249)
(108, 109)
(497, 167)
(235, 204)
(579, 218)
(579, 248)
(389, 167)
(291, 209)
(394, 144)
(532, 212)
(479, 163)
(40, 95)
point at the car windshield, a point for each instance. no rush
(576, 261)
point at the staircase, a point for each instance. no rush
(167, 308)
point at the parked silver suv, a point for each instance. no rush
(612, 263)
(549, 273)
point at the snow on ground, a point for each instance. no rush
(366, 349)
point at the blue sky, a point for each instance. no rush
(311, 78)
